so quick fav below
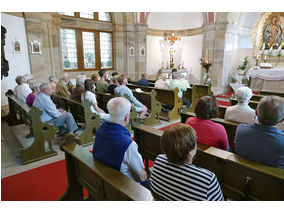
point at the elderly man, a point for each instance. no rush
(18, 89)
(176, 83)
(102, 85)
(67, 81)
(79, 89)
(122, 89)
(113, 144)
(51, 114)
(241, 112)
(143, 81)
(263, 141)
(25, 89)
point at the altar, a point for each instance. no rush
(266, 79)
(186, 73)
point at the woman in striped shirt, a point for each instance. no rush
(174, 177)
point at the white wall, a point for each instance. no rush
(191, 52)
(18, 62)
(174, 20)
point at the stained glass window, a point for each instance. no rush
(105, 16)
(87, 15)
(69, 48)
(89, 50)
(106, 49)
(67, 13)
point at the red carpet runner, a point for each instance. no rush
(45, 183)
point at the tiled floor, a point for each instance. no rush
(11, 165)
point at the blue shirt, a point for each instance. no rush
(44, 102)
(143, 82)
(263, 144)
(122, 90)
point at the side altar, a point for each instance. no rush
(266, 79)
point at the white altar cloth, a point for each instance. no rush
(274, 74)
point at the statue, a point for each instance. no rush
(4, 62)
(273, 33)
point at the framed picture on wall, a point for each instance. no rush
(142, 51)
(36, 47)
(131, 51)
(16, 46)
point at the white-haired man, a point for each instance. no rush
(263, 141)
(113, 144)
(25, 87)
(162, 82)
(51, 114)
(241, 112)
(67, 81)
(79, 89)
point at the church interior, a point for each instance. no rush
(215, 53)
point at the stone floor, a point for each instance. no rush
(11, 165)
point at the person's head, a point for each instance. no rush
(28, 78)
(179, 144)
(174, 70)
(274, 19)
(89, 85)
(95, 77)
(65, 77)
(46, 88)
(243, 94)
(52, 79)
(80, 80)
(270, 110)
(19, 79)
(160, 72)
(114, 80)
(122, 80)
(163, 76)
(35, 88)
(119, 110)
(114, 74)
(206, 107)
(145, 75)
(102, 73)
(175, 76)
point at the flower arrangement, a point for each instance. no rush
(243, 66)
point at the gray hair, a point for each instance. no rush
(80, 80)
(243, 94)
(27, 77)
(43, 86)
(270, 110)
(51, 78)
(19, 79)
(34, 86)
(118, 108)
(175, 75)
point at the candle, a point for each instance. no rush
(265, 57)
(257, 57)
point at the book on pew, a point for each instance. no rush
(138, 90)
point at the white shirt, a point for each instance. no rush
(185, 82)
(132, 162)
(161, 84)
(90, 97)
(240, 113)
(24, 91)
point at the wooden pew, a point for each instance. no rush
(252, 104)
(265, 92)
(229, 126)
(102, 182)
(199, 91)
(256, 97)
(81, 113)
(42, 132)
(239, 178)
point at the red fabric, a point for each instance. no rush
(223, 103)
(209, 133)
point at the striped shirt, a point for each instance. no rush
(184, 182)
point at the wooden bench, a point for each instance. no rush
(265, 92)
(165, 97)
(81, 113)
(102, 182)
(239, 178)
(42, 131)
(199, 91)
(256, 97)
(229, 126)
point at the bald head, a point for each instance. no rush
(119, 110)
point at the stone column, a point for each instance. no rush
(130, 43)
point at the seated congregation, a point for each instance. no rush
(174, 175)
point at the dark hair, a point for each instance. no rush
(19, 79)
(89, 85)
(206, 107)
(102, 72)
(177, 141)
(114, 73)
(120, 79)
(174, 70)
(95, 77)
